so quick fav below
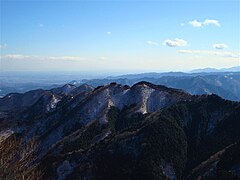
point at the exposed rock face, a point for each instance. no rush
(145, 131)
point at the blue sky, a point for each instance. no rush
(127, 36)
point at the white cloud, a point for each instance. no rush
(24, 57)
(220, 46)
(152, 43)
(211, 22)
(175, 43)
(207, 22)
(109, 33)
(2, 46)
(195, 23)
(182, 24)
(71, 58)
(208, 52)
(15, 56)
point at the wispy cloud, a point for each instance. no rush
(196, 23)
(220, 46)
(208, 52)
(175, 43)
(109, 33)
(40, 25)
(152, 43)
(15, 56)
(72, 58)
(211, 22)
(25, 57)
(2, 46)
(103, 58)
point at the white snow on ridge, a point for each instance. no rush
(146, 93)
(53, 103)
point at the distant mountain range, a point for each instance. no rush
(207, 70)
(143, 131)
(20, 82)
(224, 84)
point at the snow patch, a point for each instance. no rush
(53, 103)
(146, 93)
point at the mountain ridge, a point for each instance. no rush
(148, 130)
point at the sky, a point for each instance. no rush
(119, 36)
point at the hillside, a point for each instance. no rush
(115, 131)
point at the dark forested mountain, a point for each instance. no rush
(115, 131)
